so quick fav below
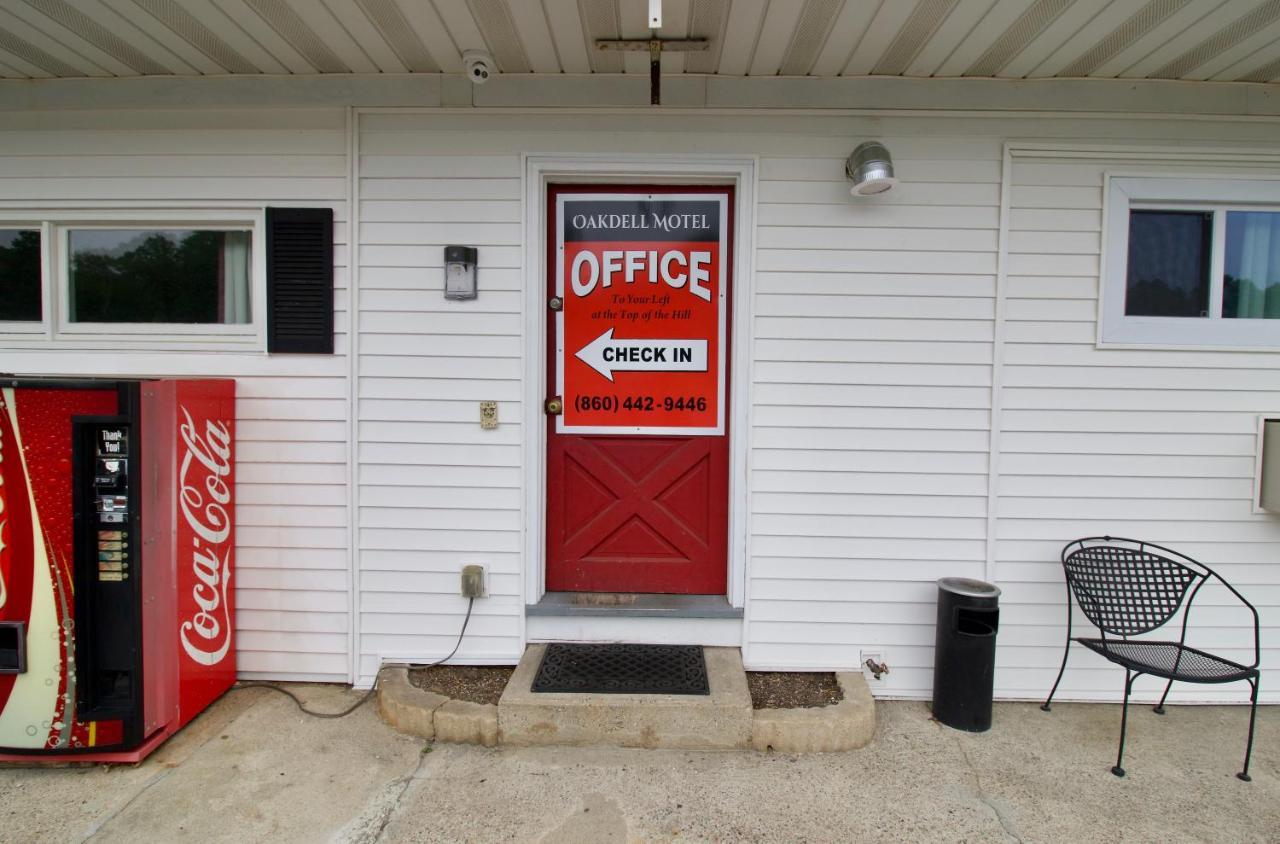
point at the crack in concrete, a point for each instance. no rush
(389, 813)
(1005, 823)
(158, 778)
(600, 820)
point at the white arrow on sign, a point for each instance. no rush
(607, 355)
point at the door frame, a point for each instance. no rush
(539, 171)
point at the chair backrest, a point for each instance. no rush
(1127, 590)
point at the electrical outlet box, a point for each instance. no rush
(473, 581)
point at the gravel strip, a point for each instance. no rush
(792, 690)
(474, 683)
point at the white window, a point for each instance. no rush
(1192, 263)
(129, 280)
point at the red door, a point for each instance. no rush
(638, 460)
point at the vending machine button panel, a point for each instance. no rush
(108, 600)
(111, 500)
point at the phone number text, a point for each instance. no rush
(640, 404)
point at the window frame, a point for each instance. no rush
(1217, 195)
(57, 330)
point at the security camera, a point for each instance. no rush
(479, 65)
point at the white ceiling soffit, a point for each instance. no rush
(1222, 40)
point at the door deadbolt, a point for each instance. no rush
(555, 406)
(556, 303)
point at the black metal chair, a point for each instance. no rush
(1127, 588)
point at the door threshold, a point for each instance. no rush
(633, 605)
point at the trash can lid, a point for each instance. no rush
(969, 587)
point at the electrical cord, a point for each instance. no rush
(298, 701)
(467, 618)
(369, 694)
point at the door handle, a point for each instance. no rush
(554, 407)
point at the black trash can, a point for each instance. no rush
(964, 660)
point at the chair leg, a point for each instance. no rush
(1159, 707)
(1065, 653)
(1124, 722)
(1253, 714)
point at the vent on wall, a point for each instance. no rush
(300, 280)
(1268, 472)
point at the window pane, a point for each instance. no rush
(19, 275)
(1251, 280)
(159, 276)
(1168, 264)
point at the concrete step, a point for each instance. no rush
(719, 721)
(722, 720)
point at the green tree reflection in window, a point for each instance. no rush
(1251, 282)
(1168, 263)
(20, 276)
(123, 276)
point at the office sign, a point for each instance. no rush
(642, 281)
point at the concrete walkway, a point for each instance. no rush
(255, 769)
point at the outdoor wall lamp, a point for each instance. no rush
(870, 169)
(460, 272)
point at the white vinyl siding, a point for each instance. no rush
(292, 573)
(1151, 444)
(872, 395)
(905, 335)
(874, 347)
(879, 359)
(436, 492)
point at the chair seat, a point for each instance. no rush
(1170, 660)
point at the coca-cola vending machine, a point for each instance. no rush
(116, 555)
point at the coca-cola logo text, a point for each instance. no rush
(204, 500)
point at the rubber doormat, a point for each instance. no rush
(623, 669)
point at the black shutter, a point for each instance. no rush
(300, 280)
